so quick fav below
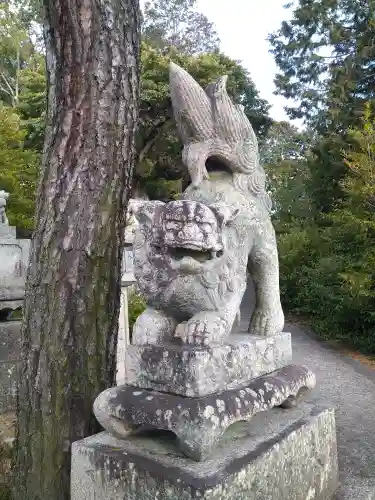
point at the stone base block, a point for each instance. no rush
(7, 232)
(199, 423)
(10, 340)
(279, 455)
(8, 385)
(198, 371)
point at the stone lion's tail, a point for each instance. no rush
(211, 125)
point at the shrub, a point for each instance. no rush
(136, 306)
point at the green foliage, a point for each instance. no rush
(14, 50)
(32, 102)
(17, 51)
(291, 202)
(285, 152)
(327, 272)
(159, 171)
(22, 70)
(6, 456)
(176, 23)
(325, 55)
(136, 306)
(22, 109)
(283, 142)
(18, 170)
(5, 492)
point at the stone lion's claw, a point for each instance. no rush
(266, 323)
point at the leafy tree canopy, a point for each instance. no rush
(159, 170)
(176, 23)
(18, 170)
(325, 55)
(283, 142)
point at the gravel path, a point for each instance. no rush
(349, 387)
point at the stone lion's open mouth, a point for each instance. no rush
(180, 253)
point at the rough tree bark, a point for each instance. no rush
(73, 292)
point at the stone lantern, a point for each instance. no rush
(14, 255)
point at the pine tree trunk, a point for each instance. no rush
(73, 292)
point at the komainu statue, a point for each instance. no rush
(192, 255)
(3, 201)
(185, 373)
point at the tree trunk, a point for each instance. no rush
(72, 301)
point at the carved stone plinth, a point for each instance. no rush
(7, 232)
(199, 423)
(199, 371)
(14, 256)
(12, 277)
(278, 455)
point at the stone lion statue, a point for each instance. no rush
(3, 201)
(192, 255)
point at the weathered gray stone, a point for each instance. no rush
(14, 258)
(14, 255)
(7, 232)
(9, 306)
(8, 385)
(191, 256)
(10, 337)
(279, 455)
(199, 423)
(10, 333)
(198, 371)
(191, 260)
(3, 201)
(11, 276)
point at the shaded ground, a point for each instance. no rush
(345, 382)
(364, 360)
(348, 384)
(6, 439)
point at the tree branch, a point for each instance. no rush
(3, 89)
(11, 91)
(151, 138)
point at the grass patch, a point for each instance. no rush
(136, 306)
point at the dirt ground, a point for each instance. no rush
(366, 360)
(7, 421)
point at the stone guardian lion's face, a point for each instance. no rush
(184, 237)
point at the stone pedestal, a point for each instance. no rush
(14, 257)
(7, 232)
(10, 336)
(199, 423)
(279, 455)
(200, 371)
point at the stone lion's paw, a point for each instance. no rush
(266, 323)
(197, 332)
(203, 331)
